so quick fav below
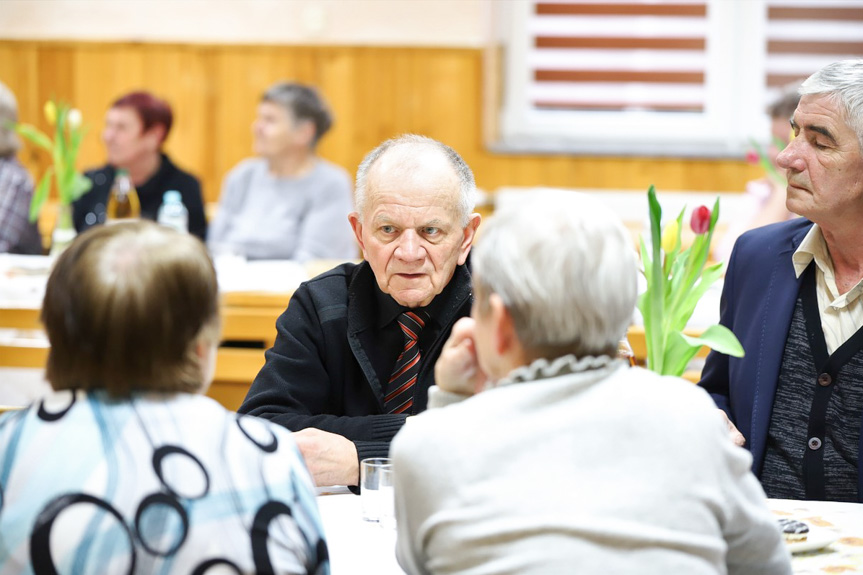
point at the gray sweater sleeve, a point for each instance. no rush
(233, 192)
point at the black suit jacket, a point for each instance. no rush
(319, 372)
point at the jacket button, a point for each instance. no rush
(824, 379)
(814, 443)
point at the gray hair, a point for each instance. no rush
(467, 185)
(9, 142)
(303, 103)
(566, 270)
(843, 80)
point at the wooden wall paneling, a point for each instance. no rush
(102, 73)
(376, 100)
(179, 75)
(19, 65)
(239, 77)
(375, 92)
(337, 81)
(454, 84)
(55, 79)
(413, 85)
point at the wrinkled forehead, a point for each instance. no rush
(823, 107)
(414, 171)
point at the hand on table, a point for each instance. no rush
(331, 458)
(733, 433)
(457, 369)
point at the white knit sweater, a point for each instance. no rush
(610, 470)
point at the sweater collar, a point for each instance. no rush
(565, 365)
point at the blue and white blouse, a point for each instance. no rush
(161, 483)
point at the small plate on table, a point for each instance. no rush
(817, 539)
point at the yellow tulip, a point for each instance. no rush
(50, 112)
(669, 236)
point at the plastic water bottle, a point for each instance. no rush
(172, 212)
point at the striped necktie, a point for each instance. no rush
(400, 390)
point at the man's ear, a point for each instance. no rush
(502, 324)
(468, 236)
(357, 226)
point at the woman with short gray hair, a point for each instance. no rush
(17, 233)
(287, 203)
(542, 452)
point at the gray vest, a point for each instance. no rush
(814, 434)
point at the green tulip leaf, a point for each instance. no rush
(718, 338)
(35, 135)
(80, 185)
(40, 194)
(679, 351)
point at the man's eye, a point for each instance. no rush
(388, 229)
(431, 231)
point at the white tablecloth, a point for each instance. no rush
(359, 547)
(356, 546)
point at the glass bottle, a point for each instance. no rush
(123, 202)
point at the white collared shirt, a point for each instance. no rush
(841, 315)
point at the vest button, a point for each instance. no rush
(824, 379)
(814, 443)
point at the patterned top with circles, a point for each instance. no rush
(156, 484)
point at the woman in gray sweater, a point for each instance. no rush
(287, 203)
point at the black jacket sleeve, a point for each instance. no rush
(311, 378)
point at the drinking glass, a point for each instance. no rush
(376, 490)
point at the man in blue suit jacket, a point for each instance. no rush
(792, 296)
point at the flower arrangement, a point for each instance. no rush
(676, 280)
(70, 183)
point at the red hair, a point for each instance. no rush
(151, 110)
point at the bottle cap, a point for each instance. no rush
(172, 196)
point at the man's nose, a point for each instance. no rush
(410, 246)
(790, 157)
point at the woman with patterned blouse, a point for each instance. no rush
(126, 467)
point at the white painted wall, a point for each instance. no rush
(448, 23)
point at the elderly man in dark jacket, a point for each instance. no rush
(355, 351)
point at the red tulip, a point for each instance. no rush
(700, 222)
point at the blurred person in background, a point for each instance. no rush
(17, 234)
(764, 198)
(554, 456)
(126, 467)
(136, 127)
(287, 203)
